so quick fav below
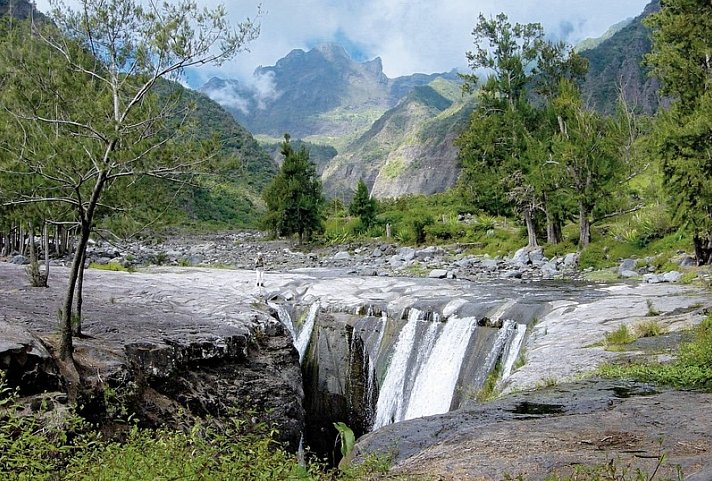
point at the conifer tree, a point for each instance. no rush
(363, 206)
(294, 197)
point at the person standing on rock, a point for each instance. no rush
(260, 269)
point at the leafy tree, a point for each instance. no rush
(82, 114)
(362, 205)
(680, 58)
(505, 150)
(588, 147)
(294, 197)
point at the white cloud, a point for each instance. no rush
(228, 98)
(409, 35)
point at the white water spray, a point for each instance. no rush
(302, 341)
(389, 407)
(512, 353)
(435, 383)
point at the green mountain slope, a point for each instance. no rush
(615, 64)
(408, 150)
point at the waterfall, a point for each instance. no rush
(373, 358)
(436, 380)
(389, 407)
(302, 341)
(284, 318)
(512, 351)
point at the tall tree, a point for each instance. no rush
(505, 149)
(363, 205)
(82, 108)
(294, 197)
(681, 58)
(588, 147)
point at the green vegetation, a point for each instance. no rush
(56, 444)
(681, 134)
(363, 206)
(691, 370)
(84, 123)
(293, 197)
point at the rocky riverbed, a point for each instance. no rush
(179, 336)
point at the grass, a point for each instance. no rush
(112, 266)
(691, 370)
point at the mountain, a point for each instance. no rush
(589, 43)
(615, 63)
(18, 9)
(231, 192)
(409, 150)
(321, 94)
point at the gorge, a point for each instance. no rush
(373, 350)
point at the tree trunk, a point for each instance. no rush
(45, 240)
(531, 230)
(77, 317)
(553, 228)
(584, 227)
(703, 249)
(66, 346)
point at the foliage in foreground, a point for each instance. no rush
(691, 370)
(57, 445)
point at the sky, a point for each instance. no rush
(410, 36)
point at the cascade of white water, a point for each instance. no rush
(302, 341)
(512, 352)
(435, 383)
(389, 406)
(373, 358)
(502, 337)
(284, 318)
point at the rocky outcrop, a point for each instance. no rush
(538, 433)
(158, 349)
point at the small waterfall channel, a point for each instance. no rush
(374, 368)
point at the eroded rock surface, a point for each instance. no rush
(537, 433)
(158, 344)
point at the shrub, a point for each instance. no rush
(619, 337)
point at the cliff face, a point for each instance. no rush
(155, 350)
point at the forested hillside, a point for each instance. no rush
(615, 66)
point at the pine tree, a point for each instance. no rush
(363, 206)
(294, 197)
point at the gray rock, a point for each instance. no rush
(512, 275)
(536, 255)
(521, 256)
(19, 260)
(377, 252)
(571, 260)
(342, 256)
(438, 274)
(626, 265)
(628, 274)
(406, 254)
(490, 265)
(672, 276)
(652, 279)
(688, 261)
